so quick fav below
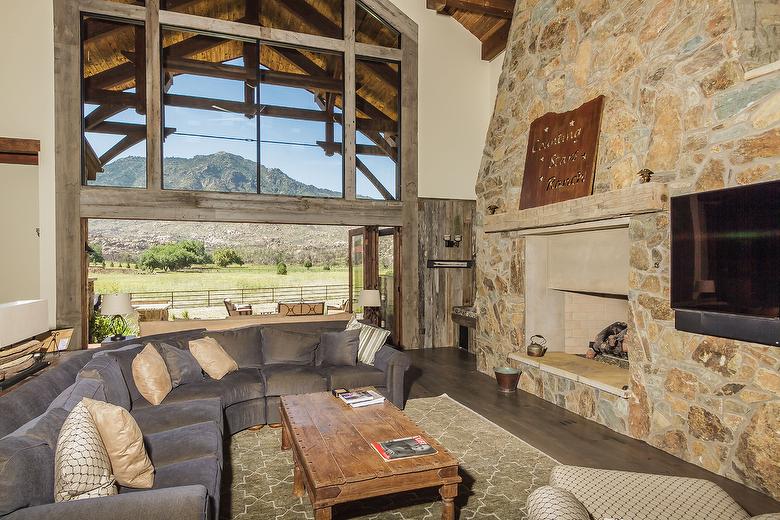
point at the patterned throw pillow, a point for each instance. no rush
(82, 468)
(371, 340)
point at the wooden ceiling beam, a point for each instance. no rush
(19, 151)
(495, 14)
(369, 175)
(313, 18)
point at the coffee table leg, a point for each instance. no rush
(298, 487)
(323, 514)
(448, 494)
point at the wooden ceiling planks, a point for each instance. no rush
(488, 20)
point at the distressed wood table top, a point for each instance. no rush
(331, 444)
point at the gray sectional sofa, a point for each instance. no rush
(184, 434)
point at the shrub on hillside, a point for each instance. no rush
(226, 257)
(281, 268)
(307, 263)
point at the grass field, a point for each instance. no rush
(112, 280)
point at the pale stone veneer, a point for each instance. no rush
(676, 102)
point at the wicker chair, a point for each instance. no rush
(243, 309)
(578, 493)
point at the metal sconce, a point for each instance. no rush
(452, 240)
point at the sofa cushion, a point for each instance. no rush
(212, 358)
(242, 385)
(242, 344)
(82, 468)
(185, 443)
(291, 348)
(26, 473)
(338, 348)
(150, 375)
(124, 443)
(293, 379)
(182, 365)
(371, 340)
(353, 377)
(169, 416)
(124, 357)
(106, 369)
(45, 427)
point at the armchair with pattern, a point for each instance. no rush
(577, 493)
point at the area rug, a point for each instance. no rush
(498, 469)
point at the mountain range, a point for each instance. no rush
(122, 240)
(221, 171)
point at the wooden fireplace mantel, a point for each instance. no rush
(635, 200)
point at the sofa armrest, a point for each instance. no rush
(554, 503)
(394, 364)
(177, 503)
(766, 516)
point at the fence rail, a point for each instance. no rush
(215, 297)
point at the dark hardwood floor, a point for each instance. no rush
(564, 436)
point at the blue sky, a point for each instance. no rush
(301, 160)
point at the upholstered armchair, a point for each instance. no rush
(577, 493)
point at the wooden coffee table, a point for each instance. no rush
(334, 460)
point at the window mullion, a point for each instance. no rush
(349, 127)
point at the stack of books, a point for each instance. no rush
(361, 398)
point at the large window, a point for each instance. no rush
(114, 103)
(241, 116)
(245, 110)
(378, 128)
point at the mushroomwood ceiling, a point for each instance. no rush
(488, 20)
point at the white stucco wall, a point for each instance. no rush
(456, 98)
(27, 111)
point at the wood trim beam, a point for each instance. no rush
(349, 105)
(312, 17)
(114, 9)
(495, 44)
(366, 50)
(235, 72)
(140, 204)
(19, 151)
(153, 82)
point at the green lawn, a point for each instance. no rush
(112, 280)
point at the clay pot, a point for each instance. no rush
(507, 379)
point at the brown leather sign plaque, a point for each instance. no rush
(561, 159)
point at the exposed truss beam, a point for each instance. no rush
(368, 174)
(497, 8)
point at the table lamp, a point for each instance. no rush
(117, 306)
(371, 301)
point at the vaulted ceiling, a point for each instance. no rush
(488, 20)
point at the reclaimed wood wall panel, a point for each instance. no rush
(442, 289)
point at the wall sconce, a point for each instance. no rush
(452, 240)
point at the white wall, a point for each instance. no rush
(27, 111)
(19, 271)
(456, 100)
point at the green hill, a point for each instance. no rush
(222, 171)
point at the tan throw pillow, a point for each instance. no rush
(124, 443)
(150, 375)
(82, 468)
(212, 358)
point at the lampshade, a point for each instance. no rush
(116, 305)
(369, 298)
(22, 320)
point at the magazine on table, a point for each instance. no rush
(405, 448)
(360, 398)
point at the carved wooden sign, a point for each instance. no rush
(561, 159)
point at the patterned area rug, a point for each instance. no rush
(498, 469)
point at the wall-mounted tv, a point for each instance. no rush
(725, 269)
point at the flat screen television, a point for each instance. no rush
(725, 265)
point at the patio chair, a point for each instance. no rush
(242, 309)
